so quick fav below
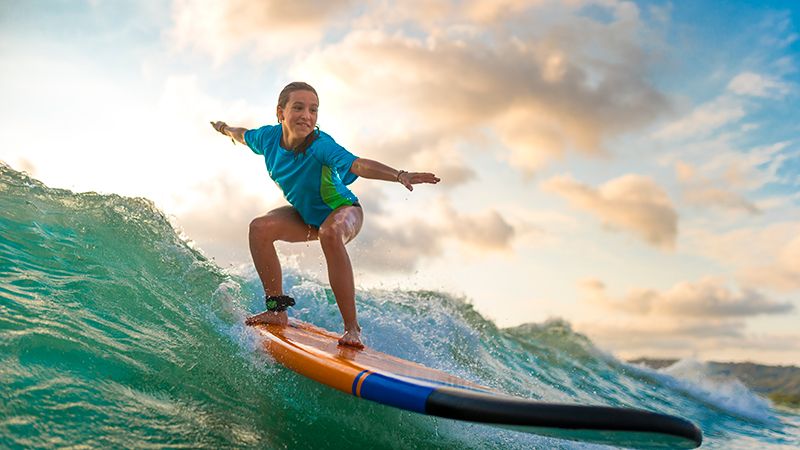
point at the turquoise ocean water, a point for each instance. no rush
(116, 333)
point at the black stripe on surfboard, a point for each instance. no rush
(497, 409)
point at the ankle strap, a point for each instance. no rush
(279, 302)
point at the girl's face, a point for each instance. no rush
(300, 114)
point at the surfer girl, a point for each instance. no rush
(313, 171)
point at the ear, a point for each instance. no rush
(279, 114)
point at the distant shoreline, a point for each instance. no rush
(781, 384)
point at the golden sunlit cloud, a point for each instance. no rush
(712, 340)
(703, 299)
(485, 231)
(217, 215)
(456, 90)
(764, 258)
(698, 190)
(701, 318)
(632, 203)
(783, 274)
(541, 91)
(265, 28)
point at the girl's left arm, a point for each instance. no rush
(367, 168)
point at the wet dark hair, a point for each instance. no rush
(283, 99)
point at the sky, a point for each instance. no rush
(630, 167)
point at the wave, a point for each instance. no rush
(116, 331)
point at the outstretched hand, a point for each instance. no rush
(410, 178)
(219, 126)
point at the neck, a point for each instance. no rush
(289, 141)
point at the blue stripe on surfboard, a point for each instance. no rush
(438, 384)
(355, 382)
(395, 392)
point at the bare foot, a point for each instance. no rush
(352, 338)
(269, 317)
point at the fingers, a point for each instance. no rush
(423, 177)
(218, 125)
(410, 178)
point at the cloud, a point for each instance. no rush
(718, 173)
(762, 257)
(217, 216)
(496, 11)
(710, 340)
(487, 231)
(715, 197)
(783, 274)
(701, 319)
(751, 169)
(536, 95)
(726, 109)
(632, 203)
(700, 191)
(386, 244)
(269, 28)
(441, 158)
(707, 298)
(380, 248)
(756, 85)
(666, 334)
(704, 119)
(538, 78)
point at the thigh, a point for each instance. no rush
(286, 224)
(345, 220)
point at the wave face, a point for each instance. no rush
(115, 332)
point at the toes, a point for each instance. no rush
(354, 344)
(266, 318)
(254, 320)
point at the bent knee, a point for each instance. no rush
(264, 228)
(332, 233)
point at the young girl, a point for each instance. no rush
(313, 172)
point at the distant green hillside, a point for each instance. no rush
(780, 383)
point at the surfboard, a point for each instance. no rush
(369, 374)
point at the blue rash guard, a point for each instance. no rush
(314, 183)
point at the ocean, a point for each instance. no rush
(117, 332)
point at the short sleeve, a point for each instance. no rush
(335, 156)
(258, 139)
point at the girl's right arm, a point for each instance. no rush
(235, 133)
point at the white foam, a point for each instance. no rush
(228, 319)
(727, 394)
